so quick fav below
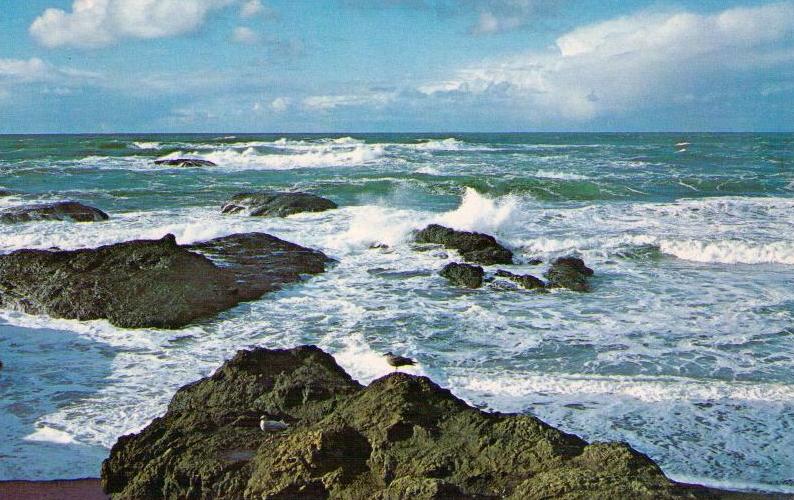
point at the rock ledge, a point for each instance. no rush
(401, 437)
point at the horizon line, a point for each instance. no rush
(9, 134)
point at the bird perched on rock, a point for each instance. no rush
(272, 425)
(398, 361)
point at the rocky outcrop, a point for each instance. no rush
(477, 248)
(185, 162)
(402, 437)
(276, 204)
(464, 275)
(569, 272)
(6, 192)
(64, 210)
(152, 283)
(525, 280)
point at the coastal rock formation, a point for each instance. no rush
(185, 162)
(401, 437)
(477, 248)
(569, 272)
(276, 204)
(152, 283)
(64, 210)
(525, 280)
(6, 192)
(464, 275)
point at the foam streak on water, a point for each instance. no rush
(685, 347)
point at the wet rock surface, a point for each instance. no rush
(152, 283)
(571, 273)
(524, 280)
(272, 204)
(60, 211)
(477, 248)
(185, 162)
(400, 437)
(465, 275)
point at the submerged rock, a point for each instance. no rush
(152, 283)
(6, 192)
(63, 210)
(473, 247)
(569, 272)
(276, 204)
(401, 437)
(185, 162)
(464, 275)
(525, 280)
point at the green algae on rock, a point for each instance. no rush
(152, 283)
(59, 211)
(272, 204)
(569, 272)
(464, 275)
(401, 437)
(473, 247)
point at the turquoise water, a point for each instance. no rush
(685, 347)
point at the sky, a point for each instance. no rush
(84, 66)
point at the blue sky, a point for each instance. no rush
(396, 65)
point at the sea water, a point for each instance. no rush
(684, 348)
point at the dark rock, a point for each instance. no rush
(473, 247)
(525, 280)
(185, 162)
(64, 210)
(276, 204)
(152, 283)
(464, 275)
(534, 262)
(569, 272)
(401, 437)
(6, 192)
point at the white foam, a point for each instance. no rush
(478, 212)
(645, 389)
(449, 144)
(549, 174)
(49, 435)
(316, 156)
(365, 364)
(146, 145)
(730, 251)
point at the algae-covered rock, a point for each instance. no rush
(402, 437)
(60, 211)
(185, 162)
(571, 273)
(152, 283)
(525, 280)
(276, 204)
(464, 275)
(473, 247)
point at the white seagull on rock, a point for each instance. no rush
(272, 425)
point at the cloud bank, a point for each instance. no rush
(631, 62)
(97, 23)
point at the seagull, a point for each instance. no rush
(272, 425)
(398, 361)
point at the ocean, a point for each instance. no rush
(684, 348)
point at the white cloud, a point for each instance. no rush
(35, 70)
(328, 102)
(21, 70)
(41, 77)
(242, 34)
(96, 23)
(252, 8)
(630, 62)
(280, 104)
